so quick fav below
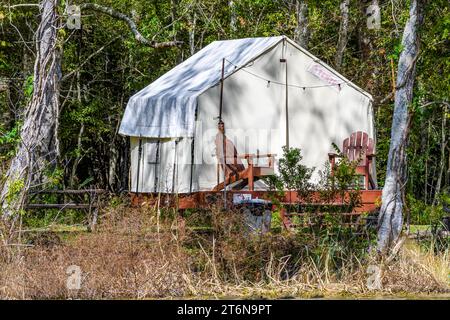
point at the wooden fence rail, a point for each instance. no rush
(77, 201)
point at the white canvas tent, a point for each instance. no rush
(174, 119)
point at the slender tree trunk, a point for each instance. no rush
(343, 30)
(38, 147)
(365, 34)
(5, 120)
(391, 212)
(193, 22)
(367, 47)
(301, 32)
(173, 17)
(233, 19)
(442, 161)
(79, 155)
(78, 158)
(426, 162)
(114, 159)
(447, 179)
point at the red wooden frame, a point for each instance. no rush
(370, 199)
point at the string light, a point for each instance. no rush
(289, 85)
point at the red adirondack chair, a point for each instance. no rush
(249, 175)
(235, 170)
(358, 146)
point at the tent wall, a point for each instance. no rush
(165, 165)
(320, 116)
(251, 112)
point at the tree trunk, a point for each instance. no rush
(5, 113)
(342, 42)
(427, 152)
(301, 32)
(192, 25)
(369, 53)
(38, 147)
(442, 161)
(114, 160)
(447, 179)
(173, 17)
(366, 36)
(78, 158)
(391, 212)
(233, 19)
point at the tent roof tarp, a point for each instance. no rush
(166, 107)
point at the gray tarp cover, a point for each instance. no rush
(166, 108)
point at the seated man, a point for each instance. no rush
(233, 165)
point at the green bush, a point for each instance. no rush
(293, 175)
(422, 213)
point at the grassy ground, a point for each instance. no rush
(140, 254)
(415, 228)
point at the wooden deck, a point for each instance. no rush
(370, 199)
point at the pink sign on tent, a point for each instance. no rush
(325, 75)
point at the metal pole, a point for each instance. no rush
(192, 163)
(192, 151)
(156, 165)
(175, 158)
(287, 107)
(223, 137)
(139, 164)
(221, 90)
(284, 60)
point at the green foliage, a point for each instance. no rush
(54, 178)
(51, 217)
(9, 141)
(344, 174)
(28, 87)
(14, 190)
(422, 213)
(397, 50)
(342, 182)
(293, 175)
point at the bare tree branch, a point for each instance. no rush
(137, 35)
(66, 76)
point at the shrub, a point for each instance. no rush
(293, 175)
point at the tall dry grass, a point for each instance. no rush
(126, 258)
(140, 253)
